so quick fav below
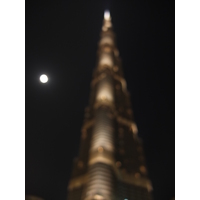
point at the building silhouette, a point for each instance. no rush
(111, 164)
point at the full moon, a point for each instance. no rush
(43, 78)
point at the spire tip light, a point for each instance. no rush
(107, 15)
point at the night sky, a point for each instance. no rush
(61, 41)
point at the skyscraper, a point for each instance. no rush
(111, 164)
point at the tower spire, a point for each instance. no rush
(107, 24)
(107, 15)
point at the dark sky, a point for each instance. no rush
(61, 41)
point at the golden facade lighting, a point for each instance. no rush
(105, 91)
(105, 169)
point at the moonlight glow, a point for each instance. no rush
(43, 78)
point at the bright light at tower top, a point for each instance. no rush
(107, 15)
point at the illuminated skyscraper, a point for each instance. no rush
(110, 165)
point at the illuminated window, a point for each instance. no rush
(134, 128)
(100, 149)
(107, 49)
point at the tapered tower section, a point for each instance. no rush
(110, 165)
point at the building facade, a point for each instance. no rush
(111, 164)
(32, 197)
